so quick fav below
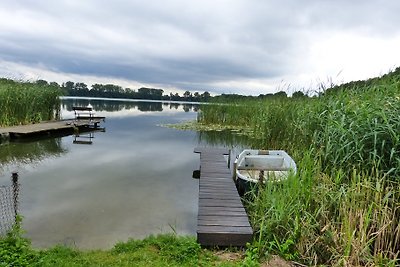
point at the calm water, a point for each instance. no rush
(132, 181)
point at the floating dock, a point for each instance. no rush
(47, 128)
(222, 219)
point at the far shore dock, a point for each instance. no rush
(84, 120)
(46, 128)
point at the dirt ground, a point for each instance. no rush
(276, 261)
(229, 256)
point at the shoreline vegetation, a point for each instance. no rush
(341, 209)
(24, 103)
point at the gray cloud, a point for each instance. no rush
(194, 44)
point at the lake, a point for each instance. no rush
(91, 191)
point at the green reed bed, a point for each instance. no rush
(343, 206)
(316, 219)
(361, 130)
(276, 120)
(24, 103)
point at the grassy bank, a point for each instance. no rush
(343, 207)
(23, 103)
(162, 250)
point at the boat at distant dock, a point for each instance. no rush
(255, 166)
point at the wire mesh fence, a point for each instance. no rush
(8, 205)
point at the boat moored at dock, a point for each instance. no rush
(260, 166)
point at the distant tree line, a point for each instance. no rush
(280, 94)
(115, 91)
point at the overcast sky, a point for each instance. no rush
(223, 46)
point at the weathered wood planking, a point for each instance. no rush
(21, 131)
(222, 219)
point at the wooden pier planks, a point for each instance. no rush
(46, 127)
(222, 219)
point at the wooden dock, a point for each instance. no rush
(222, 219)
(46, 128)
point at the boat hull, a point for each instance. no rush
(255, 166)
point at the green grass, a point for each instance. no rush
(162, 250)
(165, 250)
(343, 206)
(24, 103)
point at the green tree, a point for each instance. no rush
(81, 89)
(205, 96)
(187, 95)
(69, 87)
(298, 94)
(42, 82)
(280, 94)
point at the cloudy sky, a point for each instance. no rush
(223, 46)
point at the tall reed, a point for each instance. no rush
(23, 103)
(343, 206)
(316, 219)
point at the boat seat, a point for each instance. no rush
(264, 161)
(272, 169)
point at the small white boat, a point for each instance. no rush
(254, 166)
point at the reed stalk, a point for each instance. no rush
(24, 103)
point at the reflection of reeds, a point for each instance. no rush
(30, 152)
(23, 103)
(343, 206)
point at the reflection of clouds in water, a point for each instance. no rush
(120, 108)
(134, 112)
(117, 203)
(134, 180)
(124, 113)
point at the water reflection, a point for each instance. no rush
(30, 151)
(112, 106)
(86, 137)
(134, 180)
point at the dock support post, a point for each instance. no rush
(229, 159)
(15, 186)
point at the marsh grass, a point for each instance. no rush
(23, 102)
(357, 127)
(343, 206)
(313, 218)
